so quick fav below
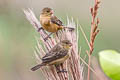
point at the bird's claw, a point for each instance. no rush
(62, 71)
(46, 38)
(39, 29)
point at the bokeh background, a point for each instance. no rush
(17, 36)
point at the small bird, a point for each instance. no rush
(49, 22)
(56, 56)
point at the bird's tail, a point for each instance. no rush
(37, 67)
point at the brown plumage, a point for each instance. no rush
(57, 55)
(50, 22)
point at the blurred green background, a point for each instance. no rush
(17, 39)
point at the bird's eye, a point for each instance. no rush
(48, 11)
(67, 43)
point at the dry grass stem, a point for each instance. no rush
(93, 33)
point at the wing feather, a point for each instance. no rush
(55, 20)
(54, 55)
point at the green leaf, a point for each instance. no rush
(110, 63)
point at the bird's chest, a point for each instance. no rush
(45, 21)
(48, 25)
(59, 61)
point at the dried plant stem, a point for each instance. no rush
(93, 33)
(84, 36)
(89, 60)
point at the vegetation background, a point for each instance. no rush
(17, 39)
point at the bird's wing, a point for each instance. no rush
(52, 52)
(55, 20)
(54, 55)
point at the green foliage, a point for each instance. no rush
(110, 63)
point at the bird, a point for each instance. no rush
(56, 56)
(50, 22)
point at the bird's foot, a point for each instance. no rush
(39, 29)
(46, 38)
(62, 71)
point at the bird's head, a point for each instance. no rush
(47, 11)
(66, 44)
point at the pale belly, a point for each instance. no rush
(59, 61)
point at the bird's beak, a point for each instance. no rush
(52, 12)
(70, 44)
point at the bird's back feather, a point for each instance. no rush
(56, 53)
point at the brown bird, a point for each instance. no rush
(56, 56)
(50, 22)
